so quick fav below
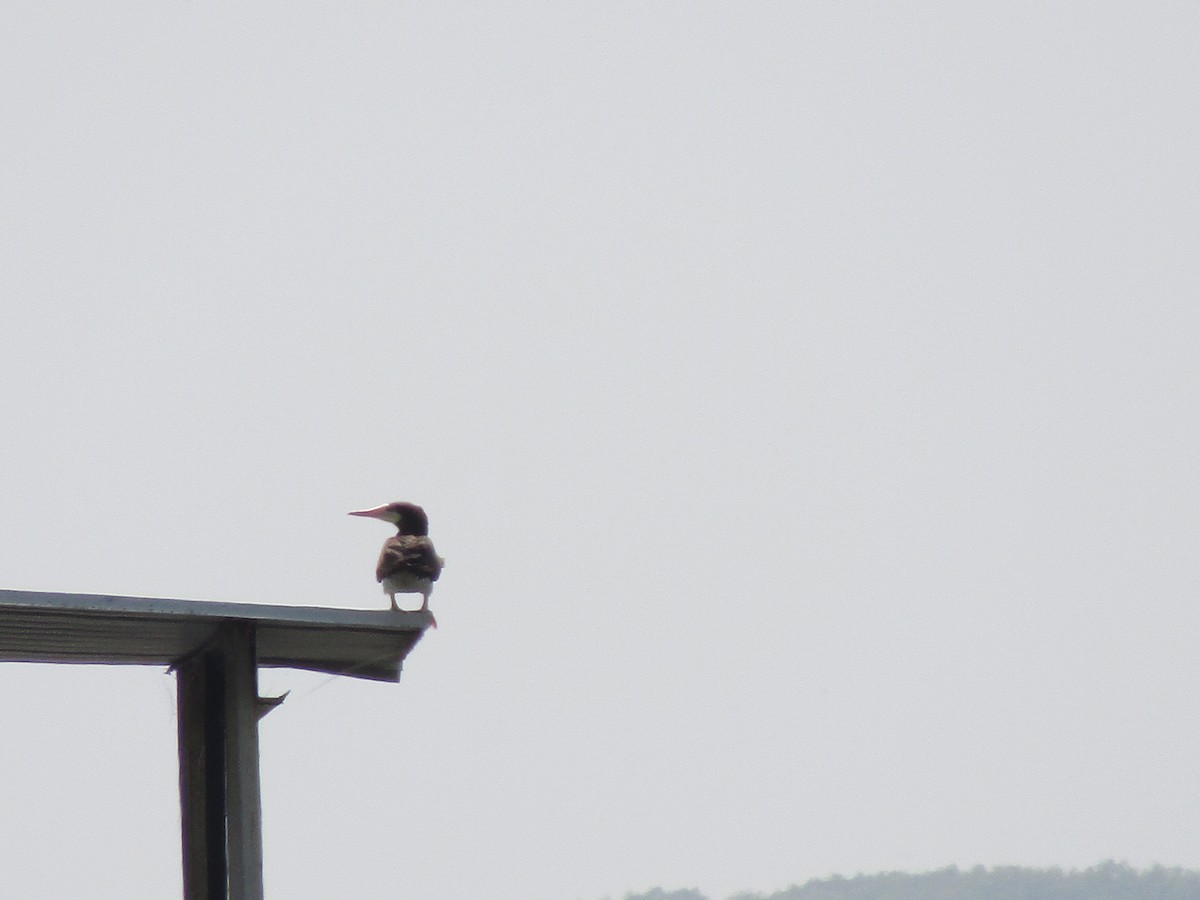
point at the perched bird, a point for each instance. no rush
(408, 563)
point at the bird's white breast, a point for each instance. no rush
(406, 583)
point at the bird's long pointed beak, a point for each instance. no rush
(376, 513)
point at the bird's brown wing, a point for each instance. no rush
(408, 553)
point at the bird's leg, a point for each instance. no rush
(394, 604)
(425, 609)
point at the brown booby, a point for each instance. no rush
(408, 563)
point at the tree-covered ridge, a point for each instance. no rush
(1107, 881)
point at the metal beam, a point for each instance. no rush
(96, 628)
(219, 789)
(201, 716)
(243, 796)
(215, 650)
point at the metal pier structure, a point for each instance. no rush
(215, 650)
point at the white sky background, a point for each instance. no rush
(804, 397)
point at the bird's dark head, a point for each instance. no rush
(407, 517)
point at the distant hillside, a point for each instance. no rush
(1107, 881)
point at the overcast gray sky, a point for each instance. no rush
(804, 396)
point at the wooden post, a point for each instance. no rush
(219, 793)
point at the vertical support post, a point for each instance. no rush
(201, 688)
(219, 791)
(243, 794)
